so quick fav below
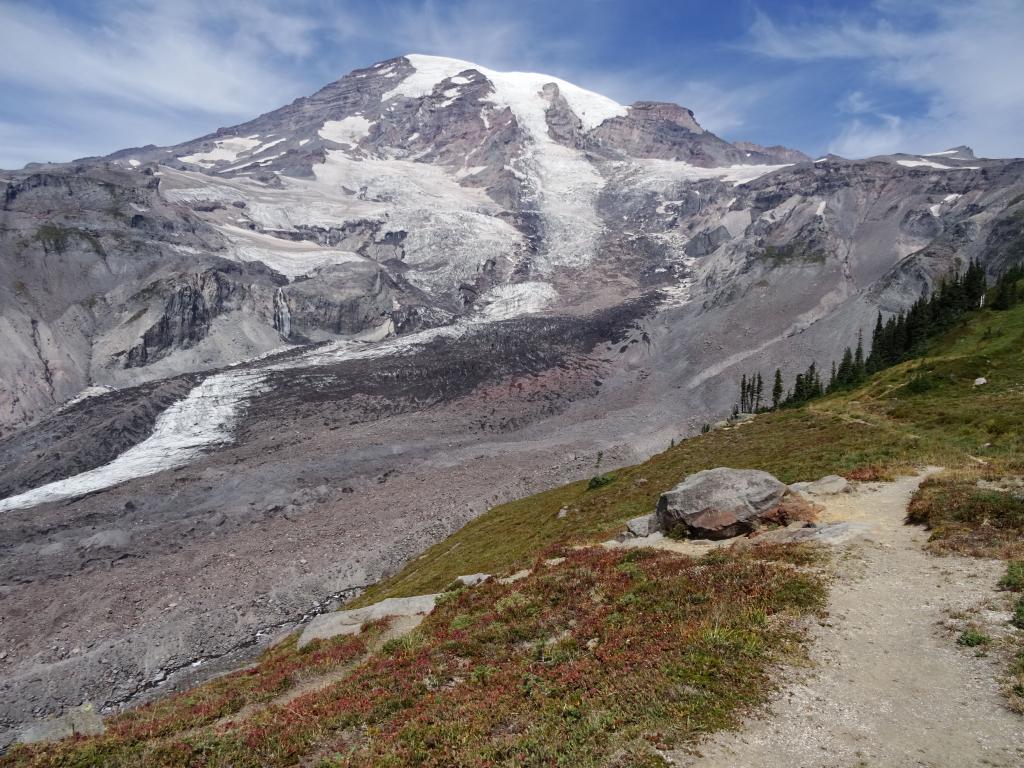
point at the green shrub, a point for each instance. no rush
(921, 383)
(971, 638)
(599, 481)
(1013, 580)
(1018, 614)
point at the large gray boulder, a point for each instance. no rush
(719, 503)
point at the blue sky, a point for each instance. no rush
(856, 78)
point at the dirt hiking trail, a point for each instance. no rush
(888, 686)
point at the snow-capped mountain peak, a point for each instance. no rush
(522, 92)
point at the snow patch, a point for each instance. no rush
(347, 131)
(134, 163)
(85, 394)
(668, 171)
(268, 145)
(225, 150)
(922, 163)
(291, 258)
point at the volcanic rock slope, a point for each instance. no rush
(452, 286)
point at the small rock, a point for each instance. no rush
(472, 579)
(562, 513)
(828, 486)
(517, 576)
(980, 381)
(115, 538)
(644, 525)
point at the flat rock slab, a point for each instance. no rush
(826, 486)
(80, 721)
(472, 579)
(328, 625)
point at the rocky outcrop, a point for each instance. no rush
(777, 152)
(186, 317)
(564, 125)
(664, 131)
(350, 622)
(719, 503)
(343, 299)
(79, 721)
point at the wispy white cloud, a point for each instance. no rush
(961, 59)
(142, 71)
(155, 54)
(856, 103)
(460, 30)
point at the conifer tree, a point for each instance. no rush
(777, 389)
(874, 364)
(859, 369)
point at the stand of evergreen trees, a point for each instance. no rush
(1007, 291)
(904, 335)
(901, 337)
(751, 393)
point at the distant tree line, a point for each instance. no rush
(901, 337)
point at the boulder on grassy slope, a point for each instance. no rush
(719, 503)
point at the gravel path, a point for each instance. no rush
(889, 687)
